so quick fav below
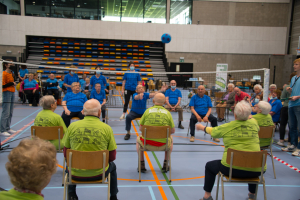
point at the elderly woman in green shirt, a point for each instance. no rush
(240, 134)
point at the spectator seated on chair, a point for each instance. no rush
(73, 104)
(173, 99)
(272, 88)
(90, 134)
(51, 86)
(86, 88)
(31, 88)
(98, 78)
(156, 116)
(255, 101)
(70, 78)
(30, 167)
(240, 134)
(257, 91)
(227, 100)
(201, 111)
(82, 81)
(276, 107)
(239, 96)
(99, 95)
(47, 117)
(139, 105)
(263, 118)
(61, 87)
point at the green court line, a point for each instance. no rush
(164, 174)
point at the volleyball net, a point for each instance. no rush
(215, 82)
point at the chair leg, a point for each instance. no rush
(139, 160)
(65, 186)
(222, 183)
(108, 188)
(256, 191)
(62, 184)
(217, 194)
(170, 166)
(188, 131)
(265, 193)
(273, 162)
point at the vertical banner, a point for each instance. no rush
(221, 77)
(266, 84)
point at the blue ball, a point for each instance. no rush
(166, 38)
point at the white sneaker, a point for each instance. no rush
(122, 116)
(11, 131)
(290, 148)
(280, 143)
(296, 153)
(5, 133)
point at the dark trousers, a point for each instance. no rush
(128, 94)
(131, 116)
(33, 98)
(67, 118)
(103, 111)
(212, 168)
(213, 120)
(112, 169)
(53, 91)
(284, 118)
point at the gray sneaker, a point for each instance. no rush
(289, 148)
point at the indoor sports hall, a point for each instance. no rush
(198, 48)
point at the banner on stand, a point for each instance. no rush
(221, 77)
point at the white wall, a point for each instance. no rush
(185, 38)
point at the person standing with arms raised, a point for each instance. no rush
(130, 81)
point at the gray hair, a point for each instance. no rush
(259, 86)
(273, 85)
(230, 84)
(73, 84)
(46, 102)
(242, 110)
(93, 111)
(265, 107)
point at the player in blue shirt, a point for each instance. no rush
(130, 81)
(23, 73)
(294, 111)
(51, 86)
(98, 78)
(73, 104)
(276, 107)
(99, 94)
(201, 111)
(82, 81)
(70, 78)
(173, 99)
(139, 106)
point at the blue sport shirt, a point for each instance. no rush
(132, 80)
(75, 101)
(295, 91)
(70, 79)
(173, 96)
(51, 81)
(139, 106)
(29, 84)
(23, 72)
(201, 104)
(100, 97)
(101, 80)
(276, 108)
(81, 82)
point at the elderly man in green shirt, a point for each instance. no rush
(47, 117)
(90, 134)
(156, 116)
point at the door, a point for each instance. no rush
(181, 79)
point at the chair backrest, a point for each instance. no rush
(219, 95)
(266, 131)
(48, 132)
(87, 159)
(247, 159)
(156, 132)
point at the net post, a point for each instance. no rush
(1, 70)
(266, 83)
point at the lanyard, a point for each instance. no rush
(296, 79)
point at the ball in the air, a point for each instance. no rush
(166, 38)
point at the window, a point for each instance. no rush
(39, 8)
(155, 11)
(181, 12)
(87, 9)
(132, 10)
(10, 7)
(110, 10)
(62, 8)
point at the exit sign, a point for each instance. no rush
(181, 59)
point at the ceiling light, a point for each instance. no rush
(102, 7)
(53, 4)
(33, 2)
(78, 6)
(84, 3)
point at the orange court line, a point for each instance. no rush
(161, 190)
(13, 135)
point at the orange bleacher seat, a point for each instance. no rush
(135, 61)
(94, 63)
(46, 46)
(118, 73)
(46, 54)
(76, 55)
(89, 40)
(141, 49)
(135, 46)
(56, 63)
(124, 57)
(112, 83)
(59, 51)
(83, 56)
(135, 54)
(124, 49)
(56, 58)
(141, 58)
(71, 51)
(106, 52)
(76, 44)
(52, 42)
(105, 68)
(58, 47)
(100, 60)
(112, 69)
(86, 72)
(148, 65)
(141, 54)
(58, 76)
(143, 70)
(79, 72)
(100, 44)
(136, 65)
(81, 64)
(112, 61)
(112, 45)
(100, 48)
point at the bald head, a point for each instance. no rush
(237, 91)
(201, 90)
(92, 107)
(51, 76)
(159, 99)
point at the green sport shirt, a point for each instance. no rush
(264, 120)
(49, 118)
(157, 116)
(238, 135)
(15, 195)
(90, 134)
